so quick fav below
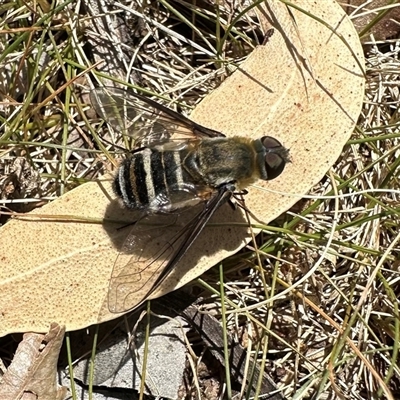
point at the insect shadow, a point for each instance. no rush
(146, 243)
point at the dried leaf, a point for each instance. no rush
(304, 87)
(33, 369)
(63, 271)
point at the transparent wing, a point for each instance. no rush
(153, 247)
(143, 118)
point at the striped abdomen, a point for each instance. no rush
(149, 179)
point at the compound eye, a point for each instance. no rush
(276, 157)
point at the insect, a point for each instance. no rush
(179, 174)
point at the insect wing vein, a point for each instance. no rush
(141, 117)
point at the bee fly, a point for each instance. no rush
(179, 164)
